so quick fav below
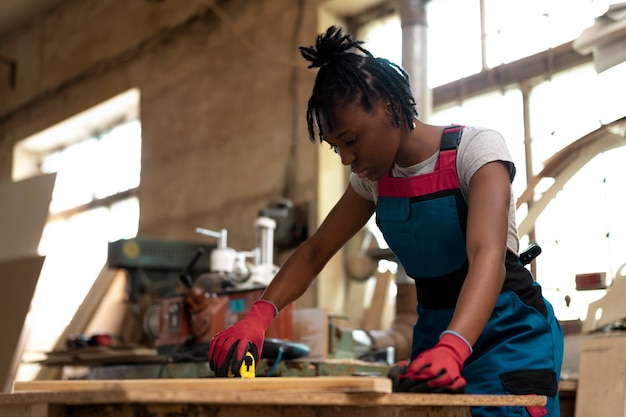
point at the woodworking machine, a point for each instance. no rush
(202, 288)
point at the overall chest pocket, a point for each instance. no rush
(425, 235)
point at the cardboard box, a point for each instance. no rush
(601, 390)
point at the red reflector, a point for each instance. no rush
(591, 281)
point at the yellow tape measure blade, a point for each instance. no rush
(247, 367)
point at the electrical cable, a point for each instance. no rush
(279, 356)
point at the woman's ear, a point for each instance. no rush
(389, 111)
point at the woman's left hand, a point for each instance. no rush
(437, 369)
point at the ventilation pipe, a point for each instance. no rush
(413, 19)
(414, 48)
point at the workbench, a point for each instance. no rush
(272, 397)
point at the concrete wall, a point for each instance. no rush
(223, 95)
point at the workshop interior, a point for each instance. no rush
(155, 174)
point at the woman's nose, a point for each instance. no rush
(346, 156)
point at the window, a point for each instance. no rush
(382, 37)
(454, 47)
(563, 107)
(515, 29)
(97, 157)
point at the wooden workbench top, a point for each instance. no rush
(361, 391)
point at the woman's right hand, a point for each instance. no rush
(228, 348)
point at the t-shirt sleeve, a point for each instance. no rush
(482, 147)
(479, 149)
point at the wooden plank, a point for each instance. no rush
(195, 395)
(537, 66)
(311, 328)
(26, 410)
(246, 410)
(23, 214)
(101, 355)
(601, 380)
(379, 303)
(111, 312)
(90, 304)
(354, 306)
(83, 316)
(608, 309)
(328, 391)
(18, 279)
(285, 384)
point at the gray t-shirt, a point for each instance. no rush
(478, 147)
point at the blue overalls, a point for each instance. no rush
(423, 219)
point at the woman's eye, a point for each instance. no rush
(351, 141)
(334, 148)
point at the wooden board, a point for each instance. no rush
(608, 309)
(361, 391)
(311, 328)
(354, 307)
(24, 207)
(267, 397)
(285, 384)
(23, 214)
(83, 316)
(18, 279)
(102, 355)
(379, 307)
(601, 387)
(158, 395)
(115, 409)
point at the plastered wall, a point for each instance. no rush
(223, 93)
(216, 101)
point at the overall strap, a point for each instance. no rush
(451, 137)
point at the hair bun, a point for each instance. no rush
(329, 46)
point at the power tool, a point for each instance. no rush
(184, 323)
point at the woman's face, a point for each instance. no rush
(366, 140)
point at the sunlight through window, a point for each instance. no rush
(581, 230)
(97, 158)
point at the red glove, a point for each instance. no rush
(229, 346)
(437, 369)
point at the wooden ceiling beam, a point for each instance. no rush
(539, 66)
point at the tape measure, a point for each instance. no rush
(247, 366)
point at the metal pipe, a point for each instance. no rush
(413, 20)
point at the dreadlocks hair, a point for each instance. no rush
(347, 73)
